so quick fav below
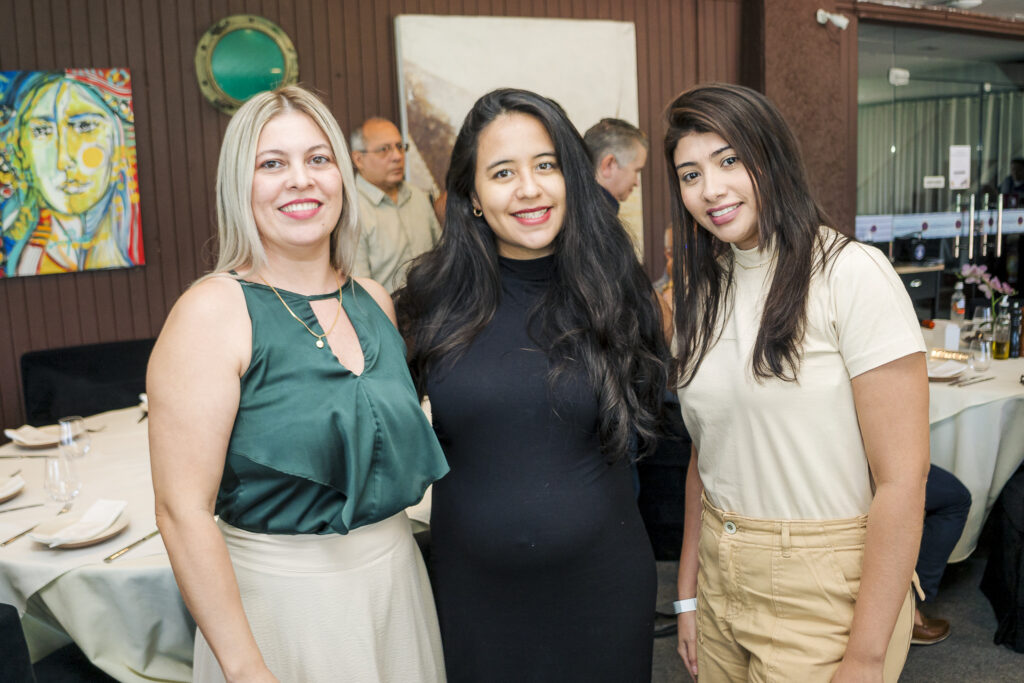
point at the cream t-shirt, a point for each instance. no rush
(793, 450)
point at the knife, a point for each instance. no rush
(977, 380)
(122, 551)
(22, 507)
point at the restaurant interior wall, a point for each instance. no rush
(346, 51)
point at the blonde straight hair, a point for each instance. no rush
(239, 244)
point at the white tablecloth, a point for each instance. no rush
(126, 616)
(977, 433)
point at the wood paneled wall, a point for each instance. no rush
(346, 51)
(813, 81)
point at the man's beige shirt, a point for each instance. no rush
(392, 233)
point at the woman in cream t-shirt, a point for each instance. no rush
(803, 384)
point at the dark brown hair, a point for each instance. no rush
(599, 312)
(788, 221)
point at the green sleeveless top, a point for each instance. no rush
(316, 449)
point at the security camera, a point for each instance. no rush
(840, 21)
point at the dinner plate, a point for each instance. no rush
(945, 371)
(34, 437)
(52, 526)
(11, 494)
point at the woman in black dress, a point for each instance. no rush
(536, 335)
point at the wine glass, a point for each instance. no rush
(982, 320)
(61, 481)
(980, 351)
(74, 436)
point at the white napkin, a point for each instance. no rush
(95, 521)
(949, 368)
(11, 485)
(27, 435)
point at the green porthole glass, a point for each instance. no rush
(242, 55)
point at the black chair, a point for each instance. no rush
(83, 380)
(1003, 581)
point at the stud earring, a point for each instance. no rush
(477, 212)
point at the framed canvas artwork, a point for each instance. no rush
(69, 198)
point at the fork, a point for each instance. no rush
(12, 539)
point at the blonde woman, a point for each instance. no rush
(280, 401)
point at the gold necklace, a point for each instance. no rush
(319, 337)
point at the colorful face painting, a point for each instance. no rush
(69, 197)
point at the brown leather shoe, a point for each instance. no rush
(930, 632)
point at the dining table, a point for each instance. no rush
(126, 615)
(977, 433)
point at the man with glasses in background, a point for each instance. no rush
(397, 221)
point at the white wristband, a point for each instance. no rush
(680, 606)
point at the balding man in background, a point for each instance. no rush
(618, 150)
(397, 220)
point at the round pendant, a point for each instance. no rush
(319, 343)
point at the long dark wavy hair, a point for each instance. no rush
(598, 313)
(788, 220)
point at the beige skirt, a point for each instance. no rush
(332, 608)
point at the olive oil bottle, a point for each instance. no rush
(1001, 332)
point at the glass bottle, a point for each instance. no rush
(1015, 330)
(1001, 332)
(958, 305)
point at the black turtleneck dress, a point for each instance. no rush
(542, 569)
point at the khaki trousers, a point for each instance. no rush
(775, 599)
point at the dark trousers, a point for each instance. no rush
(946, 504)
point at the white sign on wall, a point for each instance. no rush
(959, 167)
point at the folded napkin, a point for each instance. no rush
(95, 521)
(26, 435)
(11, 485)
(945, 369)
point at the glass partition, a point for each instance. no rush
(940, 123)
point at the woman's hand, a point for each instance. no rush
(687, 647)
(260, 674)
(854, 671)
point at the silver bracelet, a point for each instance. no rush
(681, 606)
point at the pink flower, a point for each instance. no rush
(973, 274)
(987, 284)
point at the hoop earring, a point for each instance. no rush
(477, 212)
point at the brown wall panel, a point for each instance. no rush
(346, 51)
(806, 75)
